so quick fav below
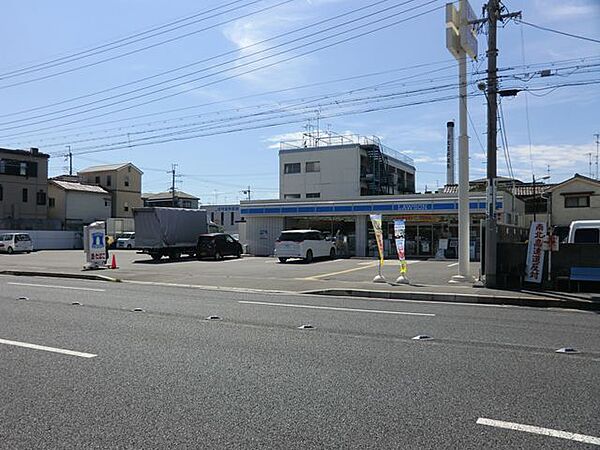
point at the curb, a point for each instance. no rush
(542, 302)
(79, 276)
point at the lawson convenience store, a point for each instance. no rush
(429, 219)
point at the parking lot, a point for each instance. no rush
(248, 272)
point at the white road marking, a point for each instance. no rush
(47, 349)
(58, 287)
(538, 430)
(333, 308)
(453, 264)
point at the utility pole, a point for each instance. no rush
(597, 136)
(174, 177)
(590, 164)
(493, 14)
(247, 192)
(70, 156)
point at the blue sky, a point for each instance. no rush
(401, 68)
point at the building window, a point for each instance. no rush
(25, 195)
(51, 202)
(291, 196)
(187, 204)
(232, 219)
(313, 195)
(313, 166)
(537, 205)
(1, 193)
(41, 198)
(106, 202)
(97, 180)
(126, 181)
(126, 207)
(291, 168)
(108, 180)
(577, 201)
(222, 218)
(212, 216)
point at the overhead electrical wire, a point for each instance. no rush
(347, 39)
(138, 50)
(564, 33)
(195, 63)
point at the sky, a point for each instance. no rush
(214, 86)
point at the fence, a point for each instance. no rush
(52, 240)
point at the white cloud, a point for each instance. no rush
(561, 10)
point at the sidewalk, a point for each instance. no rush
(340, 277)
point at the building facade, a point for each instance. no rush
(342, 167)
(226, 216)
(429, 218)
(76, 204)
(577, 198)
(23, 185)
(168, 200)
(123, 182)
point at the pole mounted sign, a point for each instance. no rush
(94, 245)
(461, 40)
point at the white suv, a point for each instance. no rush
(303, 244)
(15, 242)
(127, 240)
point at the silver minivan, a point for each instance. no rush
(15, 242)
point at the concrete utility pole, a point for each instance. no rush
(174, 176)
(70, 156)
(491, 232)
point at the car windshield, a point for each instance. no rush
(293, 237)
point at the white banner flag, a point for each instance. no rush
(535, 253)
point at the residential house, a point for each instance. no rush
(76, 204)
(168, 200)
(124, 183)
(23, 185)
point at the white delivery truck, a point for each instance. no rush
(584, 232)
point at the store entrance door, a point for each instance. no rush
(419, 241)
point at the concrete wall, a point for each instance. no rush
(12, 205)
(53, 240)
(339, 177)
(564, 216)
(261, 234)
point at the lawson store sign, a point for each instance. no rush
(362, 208)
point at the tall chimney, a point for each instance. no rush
(450, 153)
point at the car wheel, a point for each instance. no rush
(283, 260)
(309, 257)
(175, 255)
(10, 250)
(218, 256)
(156, 256)
(238, 254)
(332, 253)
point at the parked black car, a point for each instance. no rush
(217, 246)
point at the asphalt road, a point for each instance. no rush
(168, 377)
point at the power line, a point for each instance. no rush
(347, 39)
(195, 63)
(564, 33)
(95, 63)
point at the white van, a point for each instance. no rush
(303, 244)
(15, 242)
(584, 232)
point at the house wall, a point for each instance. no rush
(562, 216)
(12, 205)
(121, 195)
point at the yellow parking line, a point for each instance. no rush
(316, 277)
